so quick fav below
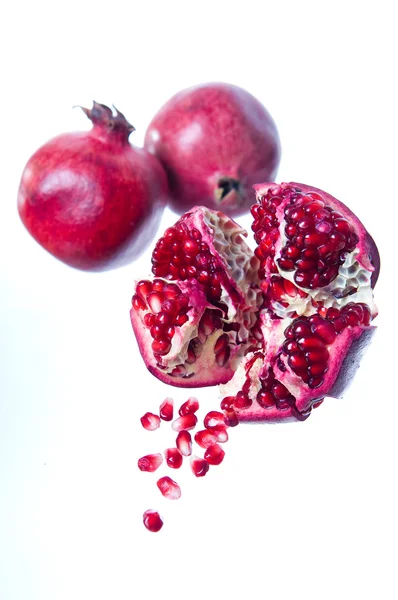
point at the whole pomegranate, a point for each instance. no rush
(280, 329)
(215, 142)
(90, 198)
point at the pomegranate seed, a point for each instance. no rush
(279, 391)
(222, 357)
(185, 422)
(242, 400)
(152, 520)
(143, 288)
(173, 458)
(190, 406)
(231, 418)
(301, 328)
(166, 409)
(339, 323)
(169, 488)
(180, 320)
(150, 421)
(155, 300)
(158, 285)
(226, 404)
(220, 432)
(150, 462)
(184, 443)
(149, 319)
(265, 399)
(138, 303)
(214, 417)
(317, 356)
(315, 382)
(325, 331)
(205, 438)
(297, 361)
(161, 346)
(214, 455)
(310, 343)
(199, 466)
(221, 343)
(317, 369)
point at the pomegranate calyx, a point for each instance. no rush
(102, 116)
(228, 193)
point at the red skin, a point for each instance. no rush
(210, 132)
(90, 198)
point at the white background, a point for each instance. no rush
(302, 511)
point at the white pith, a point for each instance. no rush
(351, 274)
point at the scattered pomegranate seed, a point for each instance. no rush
(169, 488)
(150, 462)
(150, 421)
(152, 520)
(166, 409)
(199, 466)
(220, 432)
(205, 438)
(184, 443)
(214, 417)
(173, 458)
(214, 455)
(190, 406)
(185, 422)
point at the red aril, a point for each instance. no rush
(152, 520)
(150, 462)
(91, 198)
(215, 141)
(199, 466)
(214, 455)
(166, 409)
(184, 442)
(150, 421)
(169, 488)
(173, 458)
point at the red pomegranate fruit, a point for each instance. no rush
(91, 198)
(215, 141)
(291, 321)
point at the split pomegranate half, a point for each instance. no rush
(280, 328)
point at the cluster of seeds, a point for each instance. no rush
(209, 439)
(182, 254)
(318, 237)
(167, 309)
(272, 393)
(308, 338)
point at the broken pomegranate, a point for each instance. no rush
(279, 329)
(215, 142)
(196, 317)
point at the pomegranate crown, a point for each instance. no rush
(102, 116)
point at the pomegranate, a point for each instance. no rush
(279, 329)
(195, 318)
(90, 198)
(215, 141)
